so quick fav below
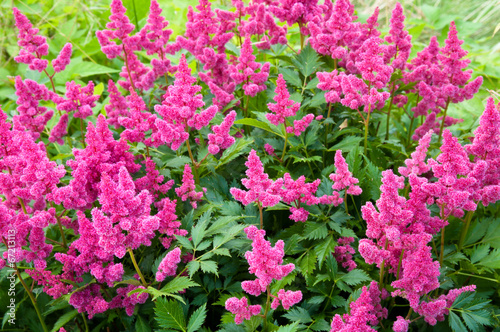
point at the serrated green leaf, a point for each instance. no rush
(219, 225)
(222, 252)
(307, 61)
(192, 267)
(184, 242)
(315, 231)
(326, 247)
(298, 314)
(197, 318)
(177, 285)
(169, 315)
(234, 151)
(141, 325)
(258, 124)
(64, 319)
(355, 277)
(308, 263)
(479, 253)
(178, 162)
(347, 144)
(291, 77)
(209, 267)
(491, 261)
(198, 230)
(288, 328)
(456, 323)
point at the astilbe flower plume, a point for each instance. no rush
(365, 311)
(101, 155)
(63, 59)
(117, 106)
(187, 190)
(32, 116)
(261, 189)
(89, 300)
(138, 121)
(245, 72)
(342, 178)
(60, 130)
(123, 300)
(399, 40)
(168, 265)
(79, 99)
(343, 253)
(297, 11)
(241, 309)
(178, 110)
(152, 181)
(32, 46)
(169, 226)
(220, 139)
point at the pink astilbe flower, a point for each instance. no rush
(416, 165)
(288, 298)
(221, 97)
(178, 110)
(241, 309)
(284, 107)
(79, 99)
(269, 149)
(297, 11)
(63, 59)
(89, 300)
(187, 189)
(343, 253)
(60, 130)
(117, 106)
(169, 226)
(365, 311)
(101, 155)
(52, 284)
(265, 262)
(259, 23)
(138, 121)
(331, 37)
(168, 265)
(32, 46)
(220, 139)
(299, 126)
(401, 324)
(122, 300)
(342, 178)
(32, 116)
(435, 310)
(261, 189)
(399, 40)
(152, 181)
(245, 72)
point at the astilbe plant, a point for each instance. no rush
(88, 217)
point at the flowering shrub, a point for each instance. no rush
(233, 179)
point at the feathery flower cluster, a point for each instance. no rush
(261, 189)
(63, 59)
(117, 106)
(365, 311)
(399, 40)
(220, 139)
(122, 300)
(168, 224)
(187, 189)
(137, 122)
(32, 46)
(60, 130)
(241, 309)
(168, 265)
(245, 72)
(78, 99)
(178, 110)
(284, 107)
(343, 253)
(342, 178)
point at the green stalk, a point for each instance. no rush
(144, 283)
(196, 177)
(267, 308)
(465, 229)
(444, 118)
(366, 128)
(389, 112)
(261, 216)
(33, 300)
(284, 147)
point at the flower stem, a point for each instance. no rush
(261, 216)
(82, 130)
(465, 229)
(442, 121)
(381, 279)
(197, 179)
(366, 128)
(32, 298)
(144, 283)
(389, 112)
(267, 308)
(284, 147)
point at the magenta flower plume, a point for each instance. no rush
(241, 309)
(119, 27)
(486, 143)
(60, 130)
(220, 139)
(32, 46)
(284, 107)
(342, 178)
(401, 324)
(138, 121)
(122, 300)
(365, 311)
(399, 40)
(416, 165)
(245, 72)
(63, 59)
(152, 181)
(117, 106)
(89, 300)
(187, 189)
(261, 189)
(169, 226)
(178, 110)
(299, 192)
(79, 99)
(168, 265)
(32, 116)
(372, 66)
(343, 253)
(265, 262)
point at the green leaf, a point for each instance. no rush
(141, 325)
(234, 151)
(198, 230)
(326, 247)
(209, 267)
(184, 242)
(491, 261)
(169, 314)
(455, 322)
(222, 252)
(258, 124)
(178, 162)
(315, 231)
(192, 267)
(197, 318)
(347, 144)
(177, 285)
(291, 77)
(136, 11)
(307, 61)
(298, 314)
(85, 69)
(355, 277)
(308, 263)
(479, 253)
(288, 328)
(64, 319)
